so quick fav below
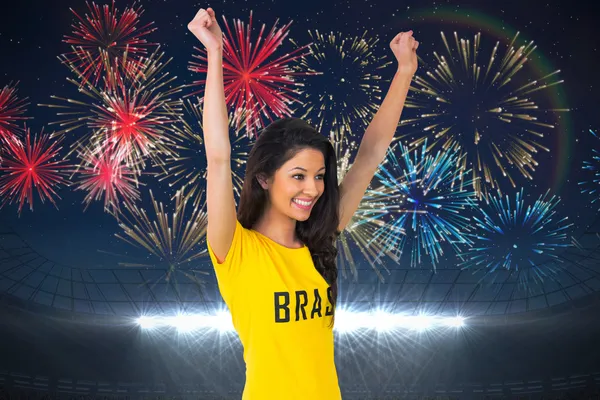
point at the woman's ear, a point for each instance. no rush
(262, 181)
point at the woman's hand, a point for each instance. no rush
(206, 28)
(404, 46)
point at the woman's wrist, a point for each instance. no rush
(215, 52)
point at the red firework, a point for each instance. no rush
(131, 123)
(253, 85)
(133, 116)
(102, 34)
(11, 111)
(30, 165)
(103, 174)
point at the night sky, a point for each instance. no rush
(32, 36)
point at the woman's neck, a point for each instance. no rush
(278, 227)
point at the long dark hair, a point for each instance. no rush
(275, 145)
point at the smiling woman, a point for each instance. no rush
(275, 256)
(291, 192)
(298, 182)
(305, 185)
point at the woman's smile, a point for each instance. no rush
(303, 204)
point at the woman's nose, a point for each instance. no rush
(311, 188)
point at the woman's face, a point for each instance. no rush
(297, 185)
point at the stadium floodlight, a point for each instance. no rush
(346, 321)
(455, 321)
(420, 322)
(222, 322)
(147, 322)
(188, 323)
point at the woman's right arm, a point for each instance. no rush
(220, 201)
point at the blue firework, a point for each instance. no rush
(591, 186)
(436, 194)
(365, 228)
(514, 235)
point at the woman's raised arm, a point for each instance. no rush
(219, 187)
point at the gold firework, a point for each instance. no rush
(488, 111)
(187, 164)
(368, 227)
(175, 239)
(342, 91)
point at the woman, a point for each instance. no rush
(275, 257)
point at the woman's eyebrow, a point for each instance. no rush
(303, 169)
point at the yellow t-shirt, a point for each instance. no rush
(281, 309)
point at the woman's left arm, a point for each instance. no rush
(378, 136)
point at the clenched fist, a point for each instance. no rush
(206, 28)
(404, 46)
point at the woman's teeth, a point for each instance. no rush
(302, 203)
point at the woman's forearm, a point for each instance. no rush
(381, 130)
(214, 114)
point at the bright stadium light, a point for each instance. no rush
(345, 322)
(383, 321)
(187, 323)
(222, 321)
(455, 321)
(420, 322)
(148, 322)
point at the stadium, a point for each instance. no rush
(77, 333)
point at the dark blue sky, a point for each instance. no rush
(31, 39)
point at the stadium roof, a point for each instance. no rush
(29, 276)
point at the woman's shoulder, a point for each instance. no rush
(246, 233)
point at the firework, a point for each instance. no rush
(255, 85)
(102, 36)
(101, 174)
(591, 187)
(32, 164)
(175, 239)
(343, 91)
(187, 165)
(367, 230)
(364, 230)
(515, 236)
(133, 116)
(436, 194)
(489, 111)
(11, 111)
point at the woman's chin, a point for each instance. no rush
(301, 216)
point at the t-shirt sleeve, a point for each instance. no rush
(228, 271)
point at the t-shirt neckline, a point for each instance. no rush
(279, 244)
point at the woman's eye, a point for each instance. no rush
(300, 176)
